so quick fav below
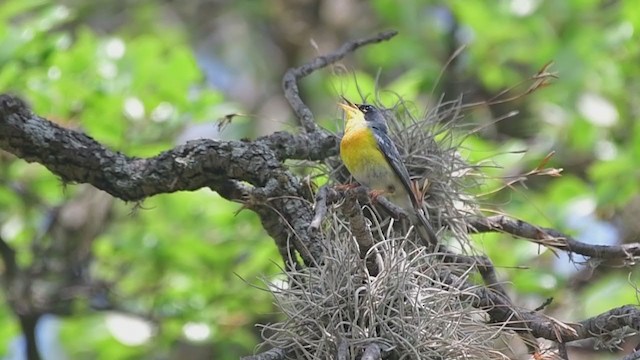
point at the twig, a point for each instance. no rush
(488, 273)
(482, 263)
(546, 303)
(555, 239)
(273, 354)
(330, 195)
(293, 75)
(326, 195)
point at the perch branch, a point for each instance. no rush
(293, 75)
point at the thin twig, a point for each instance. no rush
(546, 303)
(554, 239)
(326, 195)
(293, 75)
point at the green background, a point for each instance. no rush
(138, 75)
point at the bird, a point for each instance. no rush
(373, 160)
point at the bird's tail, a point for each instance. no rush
(424, 229)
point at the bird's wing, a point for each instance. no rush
(390, 151)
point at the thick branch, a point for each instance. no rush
(291, 77)
(555, 239)
(76, 157)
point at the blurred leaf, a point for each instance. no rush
(616, 180)
(611, 291)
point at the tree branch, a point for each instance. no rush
(501, 311)
(76, 157)
(554, 239)
(293, 75)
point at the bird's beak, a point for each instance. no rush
(350, 109)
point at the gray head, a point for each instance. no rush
(373, 115)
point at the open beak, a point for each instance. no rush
(350, 109)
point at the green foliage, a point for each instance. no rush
(187, 257)
(181, 258)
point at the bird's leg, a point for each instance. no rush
(375, 194)
(346, 187)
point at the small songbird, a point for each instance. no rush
(374, 161)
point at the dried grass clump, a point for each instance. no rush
(407, 309)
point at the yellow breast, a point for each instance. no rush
(360, 153)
